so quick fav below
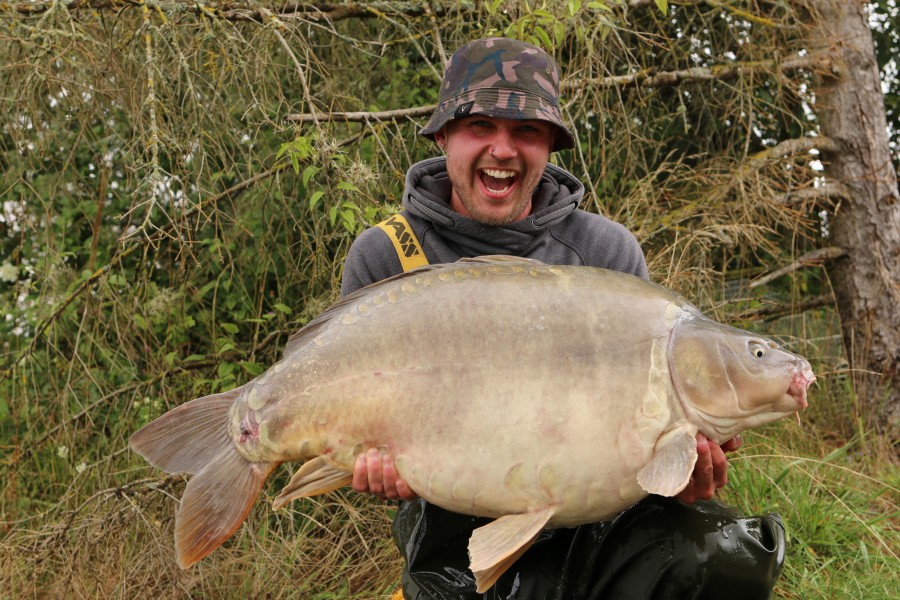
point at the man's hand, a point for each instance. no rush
(376, 473)
(711, 470)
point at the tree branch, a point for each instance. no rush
(815, 258)
(384, 115)
(831, 192)
(793, 147)
(651, 78)
(774, 310)
(246, 11)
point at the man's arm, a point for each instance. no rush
(370, 259)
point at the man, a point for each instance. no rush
(494, 192)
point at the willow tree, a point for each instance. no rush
(181, 180)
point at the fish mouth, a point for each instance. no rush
(800, 382)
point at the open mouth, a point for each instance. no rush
(497, 181)
(802, 380)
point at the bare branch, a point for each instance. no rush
(816, 258)
(794, 147)
(830, 192)
(774, 310)
(650, 78)
(384, 115)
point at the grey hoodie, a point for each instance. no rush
(556, 232)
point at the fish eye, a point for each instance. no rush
(757, 350)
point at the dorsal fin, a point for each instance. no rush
(301, 336)
(500, 259)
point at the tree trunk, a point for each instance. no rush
(850, 110)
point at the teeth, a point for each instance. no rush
(500, 173)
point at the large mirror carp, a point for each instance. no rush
(540, 395)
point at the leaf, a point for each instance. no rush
(349, 220)
(574, 6)
(283, 308)
(308, 173)
(559, 33)
(599, 6)
(663, 6)
(314, 199)
(225, 369)
(139, 321)
(542, 35)
(230, 327)
(252, 367)
(346, 185)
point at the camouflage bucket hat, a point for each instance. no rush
(501, 78)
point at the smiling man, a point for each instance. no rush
(495, 166)
(494, 192)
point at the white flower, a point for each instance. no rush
(9, 272)
(63, 452)
(81, 468)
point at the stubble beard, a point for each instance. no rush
(465, 193)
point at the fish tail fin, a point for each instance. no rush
(215, 503)
(193, 438)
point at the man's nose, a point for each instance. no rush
(504, 146)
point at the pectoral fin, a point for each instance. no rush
(317, 476)
(494, 547)
(669, 471)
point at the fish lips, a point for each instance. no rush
(803, 378)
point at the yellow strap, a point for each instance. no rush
(405, 243)
(397, 595)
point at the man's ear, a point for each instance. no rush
(440, 136)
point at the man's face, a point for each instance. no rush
(494, 165)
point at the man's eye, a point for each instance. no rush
(531, 129)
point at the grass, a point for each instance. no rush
(837, 494)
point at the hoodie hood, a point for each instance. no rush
(427, 195)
